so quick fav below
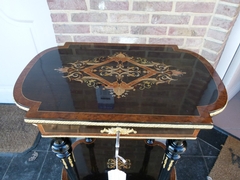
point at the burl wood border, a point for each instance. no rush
(203, 121)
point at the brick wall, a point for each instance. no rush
(201, 26)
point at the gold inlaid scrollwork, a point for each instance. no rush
(170, 165)
(70, 161)
(165, 162)
(124, 131)
(120, 67)
(111, 164)
(64, 163)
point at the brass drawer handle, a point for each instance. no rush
(124, 131)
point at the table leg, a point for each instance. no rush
(172, 153)
(148, 147)
(90, 146)
(63, 150)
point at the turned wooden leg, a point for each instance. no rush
(148, 147)
(172, 153)
(90, 146)
(63, 150)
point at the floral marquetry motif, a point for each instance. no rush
(111, 164)
(126, 73)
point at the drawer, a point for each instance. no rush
(53, 130)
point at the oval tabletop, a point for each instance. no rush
(120, 85)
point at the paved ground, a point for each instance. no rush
(195, 163)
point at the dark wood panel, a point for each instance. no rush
(93, 132)
(127, 151)
(179, 102)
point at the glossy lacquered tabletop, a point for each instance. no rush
(120, 83)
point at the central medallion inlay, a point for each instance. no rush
(129, 73)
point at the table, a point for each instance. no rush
(95, 158)
(95, 90)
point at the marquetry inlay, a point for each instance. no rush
(120, 73)
(111, 164)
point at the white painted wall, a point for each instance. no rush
(25, 30)
(229, 65)
(232, 77)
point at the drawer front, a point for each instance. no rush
(52, 130)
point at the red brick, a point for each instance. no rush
(193, 50)
(174, 41)
(108, 5)
(69, 28)
(218, 35)
(197, 7)
(89, 17)
(67, 4)
(201, 20)
(180, 31)
(213, 46)
(100, 39)
(63, 39)
(226, 10)
(194, 42)
(170, 19)
(149, 30)
(129, 18)
(232, 1)
(59, 17)
(164, 55)
(96, 52)
(223, 23)
(111, 29)
(65, 51)
(128, 40)
(211, 57)
(152, 6)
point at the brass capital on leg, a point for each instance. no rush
(62, 148)
(172, 153)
